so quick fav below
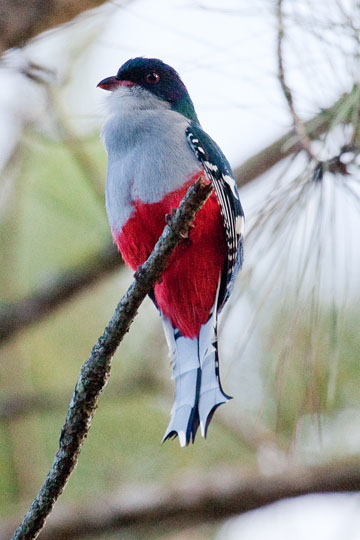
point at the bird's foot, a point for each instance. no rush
(187, 234)
(138, 272)
(169, 217)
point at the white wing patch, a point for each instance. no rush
(240, 225)
(231, 182)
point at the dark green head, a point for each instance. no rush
(156, 77)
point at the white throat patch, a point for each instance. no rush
(136, 97)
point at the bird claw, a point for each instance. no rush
(169, 217)
(138, 272)
(187, 234)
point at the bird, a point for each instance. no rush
(156, 149)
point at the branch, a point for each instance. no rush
(286, 145)
(21, 21)
(206, 498)
(304, 140)
(18, 315)
(96, 370)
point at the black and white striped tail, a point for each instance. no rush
(198, 390)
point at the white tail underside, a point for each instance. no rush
(197, 385)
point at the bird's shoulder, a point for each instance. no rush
(207, 150)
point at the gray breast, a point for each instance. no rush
(148, 157)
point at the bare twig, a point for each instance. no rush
(303, 139)
(19, 315)
(208, 497)
(96, 370)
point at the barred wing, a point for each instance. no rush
(218, 171)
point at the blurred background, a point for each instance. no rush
(276, 84)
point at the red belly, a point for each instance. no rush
(188, 288)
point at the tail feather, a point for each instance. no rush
(198, 391)
(211, 393)
(187, 374)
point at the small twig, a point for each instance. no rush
(304, 140)
(21, 314)
(96, 370)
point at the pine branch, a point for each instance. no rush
(96, 370)
(288, 144)
(18, 315)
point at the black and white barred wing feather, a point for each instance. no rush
(219, 173)
(195, 361)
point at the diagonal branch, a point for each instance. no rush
(19, 315)
(36, 306)
(208, 497)
(96, 370)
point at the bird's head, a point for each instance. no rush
(157, 78)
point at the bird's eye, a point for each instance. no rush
(152, 77)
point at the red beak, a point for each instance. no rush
(112, 83)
